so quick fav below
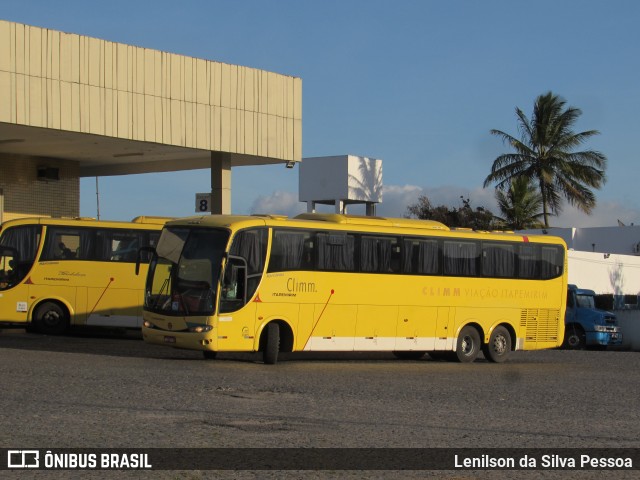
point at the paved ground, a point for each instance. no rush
(113, 391)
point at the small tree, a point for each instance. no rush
(464, 217)
(520, 206)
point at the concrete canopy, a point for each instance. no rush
(98, 155)
(117, 109)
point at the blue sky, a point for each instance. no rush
(416, 83)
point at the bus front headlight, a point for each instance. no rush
(201, 329)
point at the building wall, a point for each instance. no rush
(81, 84)
(26, 196)
(605, 273)
(623, 240)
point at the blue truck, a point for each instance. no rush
(586, 325)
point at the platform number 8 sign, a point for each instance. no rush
(203, 202)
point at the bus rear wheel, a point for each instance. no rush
(51, 319)
(271, 344)
(499, 346)
(468, 346)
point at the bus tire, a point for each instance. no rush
(468, 345)
(51, 319)
(271, 344)
(408, 354)
(209, 354)
(574, 337)
(499, 346)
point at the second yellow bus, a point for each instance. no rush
(55, 273)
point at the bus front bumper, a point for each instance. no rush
(185, 340)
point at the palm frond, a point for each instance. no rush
(546, 154)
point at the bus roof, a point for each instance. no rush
(372, 221)
(85, 221)
(404, 226)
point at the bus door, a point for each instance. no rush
(14, 296)
(236, 322)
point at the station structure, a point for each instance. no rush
(73, 106)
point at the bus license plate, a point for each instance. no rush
(168, 339)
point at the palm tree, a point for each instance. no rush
(545, 153)
(520, 205)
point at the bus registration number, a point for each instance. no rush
(168, 339)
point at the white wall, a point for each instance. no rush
(629, 321)
(342, 177)
(617, 274)
(623, 240)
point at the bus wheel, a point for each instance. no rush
(574, 337)
(408, 355)
(499, 346)
(272, 344)
(468, 346)
(209, 354)
(51, 319)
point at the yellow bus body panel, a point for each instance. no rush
(336, 311)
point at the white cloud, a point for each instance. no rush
(278, 202)
(397, 198)
(606, 214)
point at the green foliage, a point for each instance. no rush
(520, 206)
(546, 154)
(464, 217)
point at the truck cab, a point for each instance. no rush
(586, 325)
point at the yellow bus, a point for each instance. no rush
(55, 273)
(330, 282)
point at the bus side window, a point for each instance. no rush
(290, 250)
(64, 252)
(421, 256)
(498, 260)
(379, 254)
(335, 252)
(461, 257)
(551, 261)
(62, 243)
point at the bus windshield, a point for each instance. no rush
(184, 274)
(18, 248)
